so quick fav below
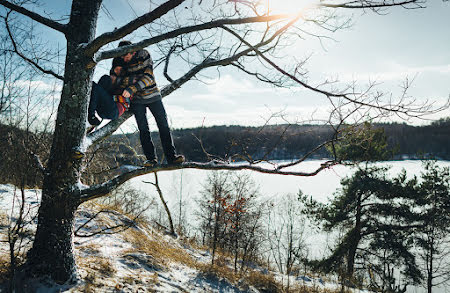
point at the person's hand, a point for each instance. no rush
(118, 70)
(113, 78)
(126, 94)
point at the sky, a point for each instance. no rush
(387, 48)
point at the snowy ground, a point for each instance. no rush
(139, 259)
(112, 263)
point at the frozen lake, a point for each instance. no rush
(185, 185)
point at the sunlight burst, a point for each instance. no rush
(289, 6)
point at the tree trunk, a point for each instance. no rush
(354, 238)
(430, 269)
(52, 251)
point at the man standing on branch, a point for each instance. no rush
(139, 82)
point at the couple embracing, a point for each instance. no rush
(131, 85)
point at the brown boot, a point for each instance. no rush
(151, 163)
(176, 160)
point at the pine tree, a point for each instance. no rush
(433, 237)
(374, 214)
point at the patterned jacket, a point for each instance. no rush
(138, 79)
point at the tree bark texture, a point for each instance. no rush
(52, 251)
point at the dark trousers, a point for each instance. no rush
(102, 99)
(159, 113)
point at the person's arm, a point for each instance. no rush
(137, 82)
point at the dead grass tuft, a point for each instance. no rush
(91, 248)
(218, 271)
(158, 248)
(263, 282)
(89, 283)
(99, 265)
(4, 268)
(3, 220)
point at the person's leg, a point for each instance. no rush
(158, 111)
(139, 111)
(106, 106)
(93, 102)
(106, 83)
(102, 101)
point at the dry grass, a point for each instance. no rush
(4, 268)
(90, 283)
(91, 248)
(218, 271)
(3, 220)
(263, 282)
(98, 265)
(160, 250)
(152, 251)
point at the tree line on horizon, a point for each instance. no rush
(283, 142)
(229, 143)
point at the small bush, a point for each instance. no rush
(4, 268)
(263, 282)
(99, 265)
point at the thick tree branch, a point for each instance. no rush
(374, 4)
(105, 188)
(121, 32)
(35, 16)
(181, 31)
(100, 134)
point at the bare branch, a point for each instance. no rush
(407, 109)
(121, 32)
(35, 16)
(105, 188)
(16, 50)
(374, 4)
(163, 201)
(128, 223)
(166, 65)
(182, 31)
(38, 162)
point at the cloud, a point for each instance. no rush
(181, 117)
(38, 85)
(396, 72)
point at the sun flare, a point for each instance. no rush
(289, 6)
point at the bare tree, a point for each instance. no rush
(230, 216)
(286, 237)
(164, 203)
(208, 34)
(212, 213)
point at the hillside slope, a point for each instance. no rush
(140, 258)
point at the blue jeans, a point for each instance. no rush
(102, 99)
(159, 113)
